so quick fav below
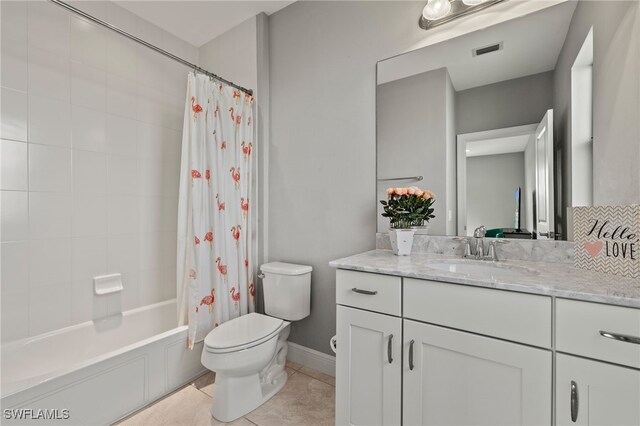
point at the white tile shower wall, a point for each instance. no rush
(90, 132)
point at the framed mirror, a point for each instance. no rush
(511, 125)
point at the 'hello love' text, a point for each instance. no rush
(620, 241)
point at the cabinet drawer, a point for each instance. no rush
(578, 327)
(383, 291)
(519, 317)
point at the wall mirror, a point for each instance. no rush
(499, 123)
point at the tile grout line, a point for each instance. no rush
(149, 406)
(253, 423)
(200, 390)
(315, 378)
(192, 384)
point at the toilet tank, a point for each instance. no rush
(287, 290)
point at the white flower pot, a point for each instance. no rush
(421, 230)
(401, 241)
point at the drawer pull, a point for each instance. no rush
(369, 292)
(390, 349)
(574, 401)
(620, 337)
(411, 354)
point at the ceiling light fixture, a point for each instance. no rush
(473, 2)
(438, 12)
(436, 9)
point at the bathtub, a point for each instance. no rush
(99, 371)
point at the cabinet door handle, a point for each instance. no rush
(574, 401)
(621, 337)
(369, 292)
(390, 349)
(411, 354)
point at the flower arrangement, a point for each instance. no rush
(406, 207)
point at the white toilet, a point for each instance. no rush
(248, 353)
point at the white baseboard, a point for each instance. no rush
(312, 359)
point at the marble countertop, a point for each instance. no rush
(546, 278)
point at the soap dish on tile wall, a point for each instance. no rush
(107, 284)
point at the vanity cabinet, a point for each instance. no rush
(420, 352)
(369, 349)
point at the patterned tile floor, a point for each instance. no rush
(308, 398)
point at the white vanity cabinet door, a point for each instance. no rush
(460, 378)
(605, 394)
(368, 385)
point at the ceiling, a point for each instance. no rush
(504, 145)
(198, 22)
(531, 45)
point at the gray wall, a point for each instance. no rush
(322, 166)
(491, 195)
(508, 103)
(412, 125)
(233, 54)
(616, 99)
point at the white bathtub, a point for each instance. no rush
(99, 371)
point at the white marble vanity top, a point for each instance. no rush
(552, 279)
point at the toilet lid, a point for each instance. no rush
(242, 331)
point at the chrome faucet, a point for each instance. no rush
(493, 254)
(478, 235)
(478, 253)
(467, 246)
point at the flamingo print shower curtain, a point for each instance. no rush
(215, 279)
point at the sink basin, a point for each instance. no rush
(480, 269)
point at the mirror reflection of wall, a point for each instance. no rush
(499, 119)
(499, 171)
(540, 95)
(490, 196)
(416, 136)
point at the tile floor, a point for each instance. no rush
(308, 398)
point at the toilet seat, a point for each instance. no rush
(242, 333)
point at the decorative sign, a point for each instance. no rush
(607, 239)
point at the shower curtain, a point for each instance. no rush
(214, 274)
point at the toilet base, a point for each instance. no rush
(236, 396)
(242, 395)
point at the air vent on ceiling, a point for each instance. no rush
(487, 49)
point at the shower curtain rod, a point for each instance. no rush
(149, 45)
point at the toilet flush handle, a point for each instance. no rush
(261, 275)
